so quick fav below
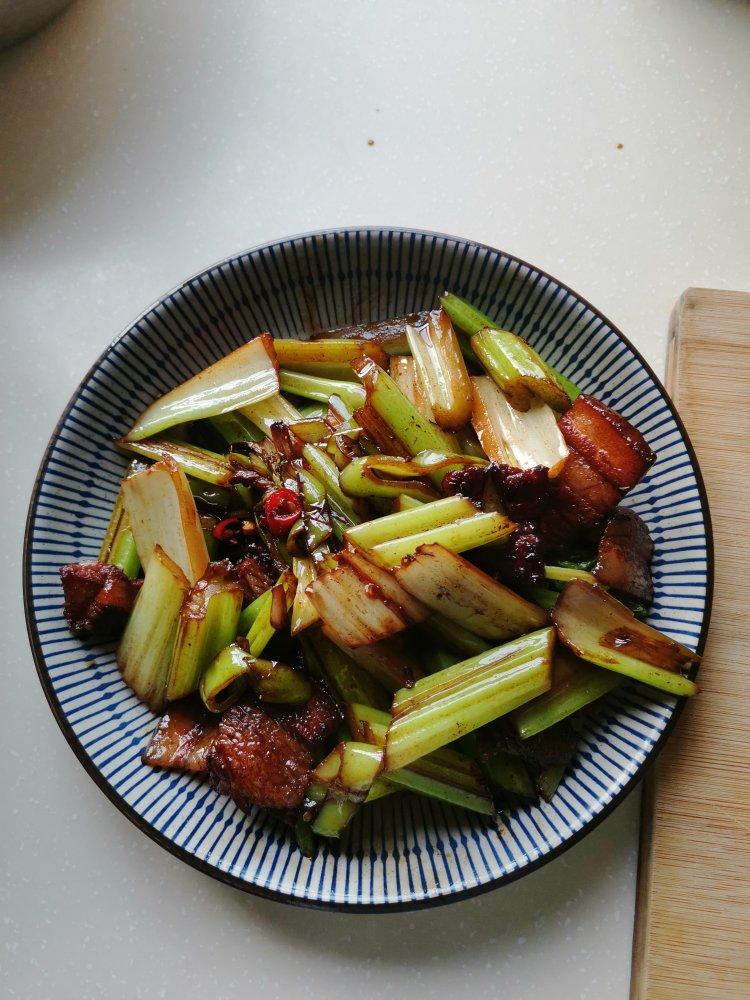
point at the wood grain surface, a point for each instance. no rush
(692, 922)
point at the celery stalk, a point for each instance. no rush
(470, 321)
(441, 371)
(444, 706)
(583, 687)
(415, 432)
(561, 574)
(347, 680)
(208, 623)
(469, 533)
(410, 522)
(145, 649)
(243, 377)
(321, 389)
(272, 410)
(324, 469)
(233, 671)
(233, 427)
(208, 466)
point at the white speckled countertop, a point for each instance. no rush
(142, 140)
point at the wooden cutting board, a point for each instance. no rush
(692, 921)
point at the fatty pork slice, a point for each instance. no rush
(182, 738)
(624, 557)
(256, 761)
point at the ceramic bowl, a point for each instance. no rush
(403, 852)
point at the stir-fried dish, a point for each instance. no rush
(392, 558)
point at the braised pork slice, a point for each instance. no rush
(624, 556)
(313, 722)
(183, 737)
(98, 597)
(256, 761)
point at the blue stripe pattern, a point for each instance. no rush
(403, 850)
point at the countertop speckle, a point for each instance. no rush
(142, 140)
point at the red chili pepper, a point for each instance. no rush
(228, 530)
(283, 509)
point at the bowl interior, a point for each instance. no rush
(403, 851)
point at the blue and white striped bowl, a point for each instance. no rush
(404, 852)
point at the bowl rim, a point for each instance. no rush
(274, 894)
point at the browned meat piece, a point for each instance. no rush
(607, 441)
(312, 722)
(98, 597)
(582, 494)
(552, 747)
(382, 331)
(254, 577)
(182, 738)
(624, 557)
(257, 762)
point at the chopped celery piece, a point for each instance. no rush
(561, 574)
(603, 631)
(458, 590)
(446, 705)
(262, 631)
(469, 321)
(441, 371)
(410, 522)
(580, 687)
(321, 389)
(234, 427)
(324, 469)
(470, 533)
(348, 681)
(402, 503)
(244, 377)
(270, 411)
(145, 649)
(162, 512)
(524, 438)
(380, 476)
(208, 466)
(208, 623)
(455, 636)
(233, 671)
(415, 432)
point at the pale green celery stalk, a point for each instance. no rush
(335, 370)
(469, 533)
(585, 686)
(347, 680)
(469, 321)
(324, 469)
(208, 623)
(271, 411)
(243, 377)
(251, 612)
(234, 427)
(517, 369)
(509, 774)
(321, 389)
(600, 629)
(455, 636)
(123, 552)
(414, 431)
(443, 775)
(410, 522)
(233, 671)
(561, 574)
(208, 466)
(444, 706)
(360, 479)
(340, 783)
(262, 631)
(145, 649)
(118, 545)
(403, 503)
